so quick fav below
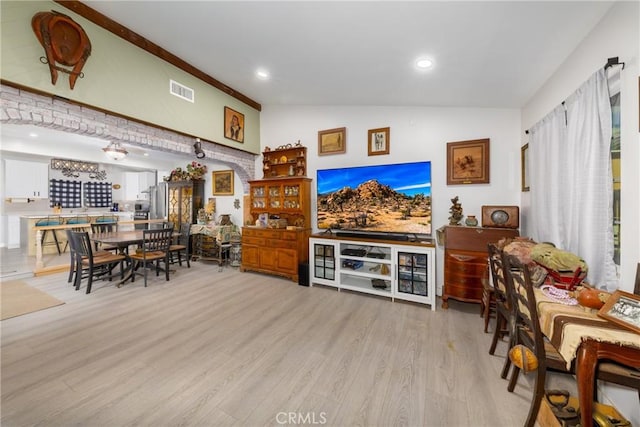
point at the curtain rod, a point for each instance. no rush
(610, 63)
(613, 61)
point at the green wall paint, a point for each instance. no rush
(121, 78)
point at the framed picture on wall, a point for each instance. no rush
(524, 164)
(332, 141)
(468, 162)
(233, 125)
(378, 141)
(222, 183)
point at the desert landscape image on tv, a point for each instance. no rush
(390, 198)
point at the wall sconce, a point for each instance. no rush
(115, 151)
(197, 146)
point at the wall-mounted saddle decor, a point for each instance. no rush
(64, 42)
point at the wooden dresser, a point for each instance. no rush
(274, 251)
(465, 260)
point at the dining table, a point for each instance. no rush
(122, 240)
(584, 338)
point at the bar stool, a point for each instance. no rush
(50, 220)
(79, 219)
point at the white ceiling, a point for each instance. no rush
(487, 54)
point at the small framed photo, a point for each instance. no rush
(524, 164)
(332, 141)
(622, 308)
(233, 125)
(378, 141)
(222, 183)
(468, 162)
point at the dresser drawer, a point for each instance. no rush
(252, 240)
(463, 292)
(286, 244)
(471, 269)
(261, 232)
(461, 279)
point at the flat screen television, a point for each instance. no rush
(392, 198)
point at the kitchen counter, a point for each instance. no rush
(71, 215)
(28, 229)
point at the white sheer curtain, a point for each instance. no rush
(571, 179)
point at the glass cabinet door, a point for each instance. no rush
(324, 262)
(291, 197)
(274, 196)
(412, 273)
(258, 197)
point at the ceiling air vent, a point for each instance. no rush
(181, 91)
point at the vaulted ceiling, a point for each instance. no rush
(486, 54)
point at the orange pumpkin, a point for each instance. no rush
(592, 298)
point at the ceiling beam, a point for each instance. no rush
(141, 42)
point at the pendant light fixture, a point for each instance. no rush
(114, 151)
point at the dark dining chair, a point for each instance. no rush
(73, 253)
(153, 251)
(104, 227)
(90, 265)
(182, 245)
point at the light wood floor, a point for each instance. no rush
(231, 348)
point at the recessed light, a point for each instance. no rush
(33, 135)
(424, 63)
(145, 154)
(262, 74)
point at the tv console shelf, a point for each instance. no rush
(388, 268)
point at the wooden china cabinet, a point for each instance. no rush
(184, 199)
(281, 204)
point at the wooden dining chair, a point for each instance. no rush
(104, 227)
(529, 334)
(73, 254)
(90, 265)
(182, 245)
(153, 251)
(504, 313)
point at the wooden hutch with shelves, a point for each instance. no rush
(284, 162)
(280, 204)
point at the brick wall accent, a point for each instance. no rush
(23, 107)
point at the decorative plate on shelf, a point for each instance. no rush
(283, 159)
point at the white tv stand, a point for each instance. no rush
(394, 269)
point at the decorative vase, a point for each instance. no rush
(471, 221)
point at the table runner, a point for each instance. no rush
(566, 326)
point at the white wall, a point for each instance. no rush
(616, 35)
(417, 134)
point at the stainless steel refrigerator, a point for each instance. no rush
(158, 201)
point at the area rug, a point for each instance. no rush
(18, 298)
